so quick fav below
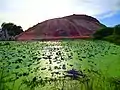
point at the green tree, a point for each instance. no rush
(111, 34)
(103, 32)
(12, 29)
(117, 29)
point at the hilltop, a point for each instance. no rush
(73, 26)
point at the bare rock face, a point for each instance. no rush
(73, 26)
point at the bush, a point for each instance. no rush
(111, 34)
(101, 33)
(117, 29)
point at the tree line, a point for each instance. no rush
(9, 31)
(111, 34)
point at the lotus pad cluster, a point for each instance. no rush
(57, 65)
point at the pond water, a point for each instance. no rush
(59, 65)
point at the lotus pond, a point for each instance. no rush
(59, 65)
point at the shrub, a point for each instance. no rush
(101, 33)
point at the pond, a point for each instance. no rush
(59, 65)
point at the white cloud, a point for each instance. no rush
(96, 7)
(106, 15)
(29, 12)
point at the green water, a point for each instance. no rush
(44, 65)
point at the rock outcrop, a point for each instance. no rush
(73, 26)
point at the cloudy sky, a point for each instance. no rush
(30, 12)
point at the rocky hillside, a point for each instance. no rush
(73, 26)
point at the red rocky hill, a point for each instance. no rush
(73, 26)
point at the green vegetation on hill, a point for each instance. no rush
(111, 34)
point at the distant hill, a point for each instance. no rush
(73, 26)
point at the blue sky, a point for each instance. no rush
(27, 13)
(111, 20)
